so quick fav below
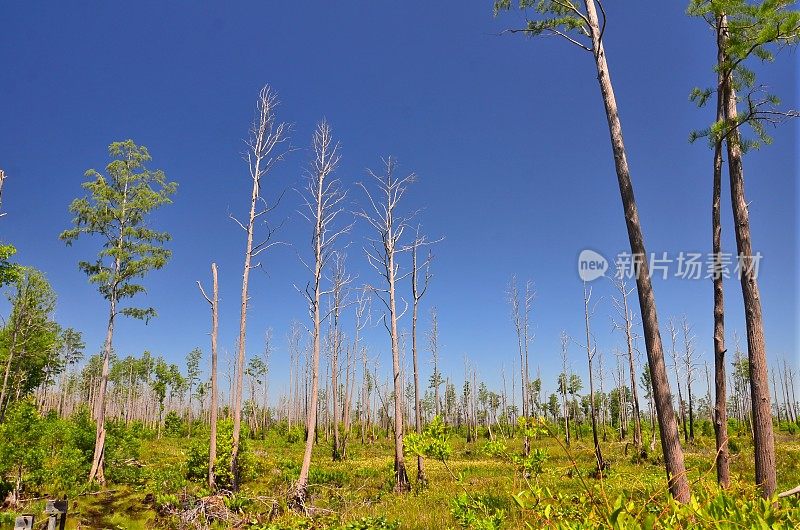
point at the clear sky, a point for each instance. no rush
(506, 134)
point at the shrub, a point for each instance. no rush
(372, 523)
(123, 445)
(197, 460)
(477, 512)
(21, 451)
(173, 425)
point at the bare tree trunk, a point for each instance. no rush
(349, 383)
(763, 440)
(240, 357)
(777, 401)
(628, 328)
(433, 340)
(688, 343)
(364, 396)
(794, 398)
(401, 476)
(323, 203)
(720, 396)
(265, 136)
(682, 409)
(519, 316)
(417, 295)
(671, 446)
(590, 352)
(382, 256)
(97, 472)
(565, 382)
(336, 454)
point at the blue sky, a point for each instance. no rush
(506, 134)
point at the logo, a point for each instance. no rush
(591, 265)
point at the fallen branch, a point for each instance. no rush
(789, 493)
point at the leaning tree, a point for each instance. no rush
(584, 27)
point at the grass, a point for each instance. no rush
(361, 486)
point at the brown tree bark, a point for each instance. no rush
(720, 392)
(763, 440)
(671, 446)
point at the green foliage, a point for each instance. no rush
(116, 208)
(755, 29)
(29, 341)
(364, 523)
(237, 502)
(21, 454)
(432, 443)
(720, 511)
(197, 461)
(174, 425)
(372, 523)
(477, 512)
(68, 446)
(46, 452)
(295, 434)
(123, 447)
(8, 271)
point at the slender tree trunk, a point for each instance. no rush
(3, 392)
(97, 472)
(214, 407)
(335, 390)
(671, 446)
(763, 440)
(364, 396)
(637, 418)
(416, 295)
(401, 476)
(785, 393)
(301, 488)
(720, 392)
(240, 357)
(794, 398)
(598, 454)
(777, 401)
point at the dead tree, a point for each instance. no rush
(689, 366)
(590, 353)
(382, 254)
(264, 150)
(564, 382)
(214, 407)
(322, 199)
(362, 319)
(3, 177)
(338, 300)
(626, 325)
(520, 316)
(417, 292)
(433, 345)
(673, 333)
(363, 316)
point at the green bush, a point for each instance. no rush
(477, 512)
(174, 425)
(21, 450)
(197, 461)
(372, 523)
(123, 446)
